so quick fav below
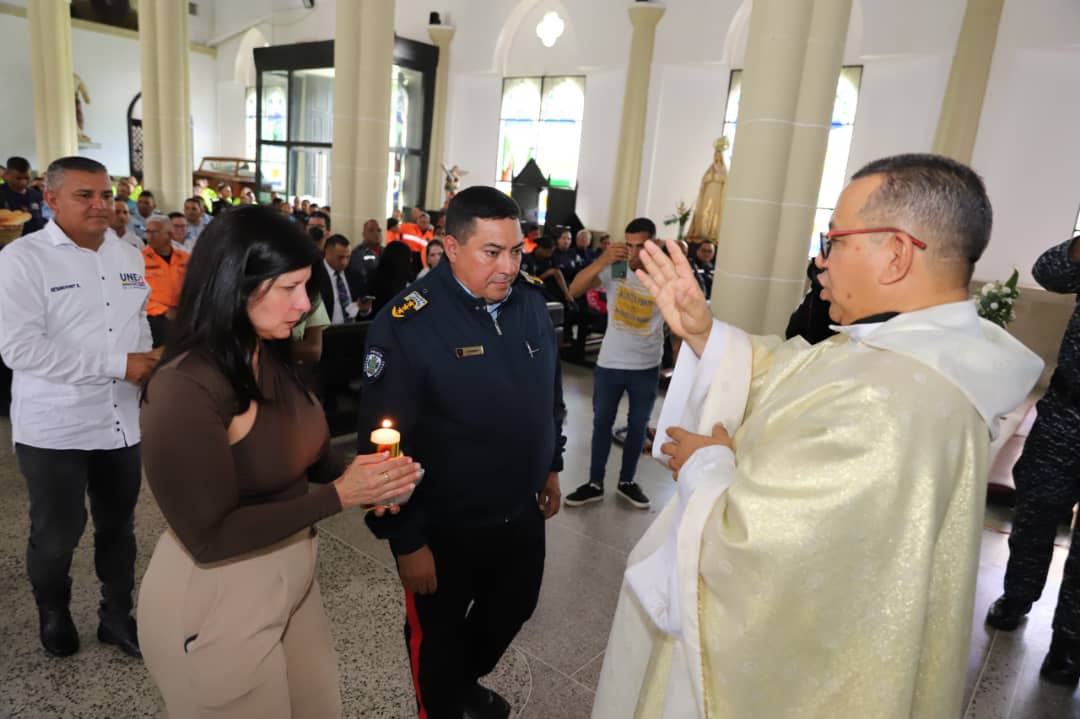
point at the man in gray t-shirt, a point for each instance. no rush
(629, 362)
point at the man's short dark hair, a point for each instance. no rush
(545, 242)
(474, 203)
(195, 199)
(527, 227)
(74, 163)
(146, 193)
(641, 224)
(176, 215)
(391, 223)
(19, 164)
(937, 199)
(323, 215)
(337, 241)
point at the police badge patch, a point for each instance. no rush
(374, 363)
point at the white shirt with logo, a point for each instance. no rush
(69, 316)
(634, 338)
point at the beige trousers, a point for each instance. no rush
(244, 638)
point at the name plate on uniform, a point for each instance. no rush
(474, 351)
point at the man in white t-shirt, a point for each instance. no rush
(629, 362)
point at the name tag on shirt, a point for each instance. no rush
(474, 351)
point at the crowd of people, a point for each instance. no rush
(127, 327)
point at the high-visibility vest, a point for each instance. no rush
(165, 280)
(416, 239)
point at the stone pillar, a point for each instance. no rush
(806, 160)
(962, 106)
(166, 104)
(435, 194)
(789, 80)
(643, 16)
(55, 131)
(363, 59)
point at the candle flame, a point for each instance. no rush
(387, 423)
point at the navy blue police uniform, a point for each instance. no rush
(30, 201)
(476, 392)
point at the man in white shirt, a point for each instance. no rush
(339, 303)
(120, 223)
(73, 328)
(629, 362)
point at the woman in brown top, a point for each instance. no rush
(237, 454)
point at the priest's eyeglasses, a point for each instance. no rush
(827, 237)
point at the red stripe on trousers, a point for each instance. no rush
(416, 636)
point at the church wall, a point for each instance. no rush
(109, 67)
(1027, 148)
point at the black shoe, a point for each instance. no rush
(584, 494)
(58, 633)
(1006, 614)
(632, 493)
(482, 703)
(120, 630)
(1062, 663)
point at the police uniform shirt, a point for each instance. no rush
(69, 316)
(30, 201)
(476, 392)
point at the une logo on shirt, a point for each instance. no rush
(132, 281)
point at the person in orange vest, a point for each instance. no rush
(417, 235)
(393, 229)
(530, 232)
(165, 268)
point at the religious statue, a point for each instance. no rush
(453, 179)
(81, 96)
(709, 208)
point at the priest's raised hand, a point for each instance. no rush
(671, 281)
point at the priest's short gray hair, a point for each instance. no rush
(935, 198)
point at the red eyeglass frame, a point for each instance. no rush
(827, 237)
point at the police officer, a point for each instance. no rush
(1047, 488)
(464, 362)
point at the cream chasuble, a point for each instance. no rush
(826, 568)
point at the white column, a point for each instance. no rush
(806, 160)
(435, 195)
(55, 131)
(789, 85)
(163, 46)
(970, 72)
(363, 59)
(643, 16)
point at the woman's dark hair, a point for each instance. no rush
(394, 273)
(237, 252)
(432, 243)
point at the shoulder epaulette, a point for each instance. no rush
(532, 279)
(410, 304)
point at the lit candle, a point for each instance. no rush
(387, 439)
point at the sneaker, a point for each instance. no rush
(583, 495)
(632, 493)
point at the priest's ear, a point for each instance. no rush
(898, 256)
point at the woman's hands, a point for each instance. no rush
(373, 479)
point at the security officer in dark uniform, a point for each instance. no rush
(465, 363)
(1047, 487)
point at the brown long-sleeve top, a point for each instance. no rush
(224, 500)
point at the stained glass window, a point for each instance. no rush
(541, 118)
(834, 173)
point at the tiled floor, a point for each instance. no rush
(550, 672)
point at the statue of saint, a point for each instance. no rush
(81, 96)
(709, 208)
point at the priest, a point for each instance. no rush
(820, 555)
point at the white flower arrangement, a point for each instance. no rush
(996, 300)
